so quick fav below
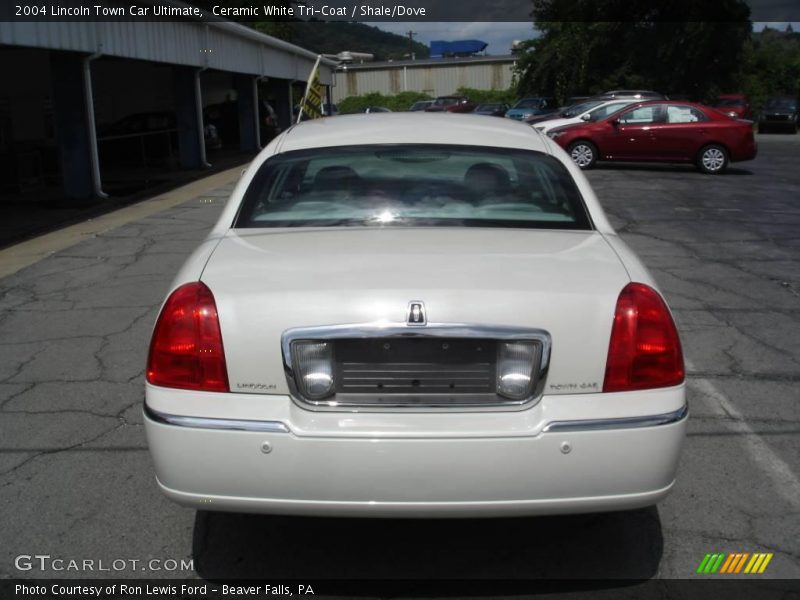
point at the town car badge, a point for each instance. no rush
(416, 313)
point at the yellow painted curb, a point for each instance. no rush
(24, 254)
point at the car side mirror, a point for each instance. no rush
(586, 117)
(615, 122)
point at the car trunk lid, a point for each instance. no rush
(268, 281)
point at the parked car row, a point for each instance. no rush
(779, 114)
(642, 125)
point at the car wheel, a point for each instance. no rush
(583, 153)
(713, 159)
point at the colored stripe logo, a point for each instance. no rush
(735, 563)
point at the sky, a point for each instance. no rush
(498, 35)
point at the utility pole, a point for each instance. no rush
(411, 35)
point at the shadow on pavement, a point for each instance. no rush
(623, 545)
(667, 168)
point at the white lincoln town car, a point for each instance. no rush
(414, 315)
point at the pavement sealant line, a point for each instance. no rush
(26, 253)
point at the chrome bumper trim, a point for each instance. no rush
(214, 423)
(618, 423)
(554, 426)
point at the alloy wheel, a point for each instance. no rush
(713, 159)
(582, 155)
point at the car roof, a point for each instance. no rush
(646, 102)
(631, 92)
(411, 128)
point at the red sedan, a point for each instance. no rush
(455, 104)
(661, 131)
(733, 105)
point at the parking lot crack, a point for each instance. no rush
(49, 452)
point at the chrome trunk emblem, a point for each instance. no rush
(416, 313)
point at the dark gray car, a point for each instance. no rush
(779, 114)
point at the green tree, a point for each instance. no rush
(676, 47)
(771, 66)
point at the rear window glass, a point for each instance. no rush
(414, 185)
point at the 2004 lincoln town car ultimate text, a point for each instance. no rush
(414, 315)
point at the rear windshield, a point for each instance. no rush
(414, 185)
(609, 109)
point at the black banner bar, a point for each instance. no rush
(251, 11)
(730, 588)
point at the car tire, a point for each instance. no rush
(712, 159)
(583, 153)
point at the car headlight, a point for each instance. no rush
(517, 368)
(732, 114)
(313, 365)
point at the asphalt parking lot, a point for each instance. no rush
(76, 480)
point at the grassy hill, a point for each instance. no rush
(326, 37)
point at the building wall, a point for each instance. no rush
(223, 46)
(436, 80)
(26, 100)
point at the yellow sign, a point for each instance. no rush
(311, 106)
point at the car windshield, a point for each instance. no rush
(528, 103)
(781, 104)
(413, 185)
(445, 101)
(578, 109)
(609, 109)
(730, 102)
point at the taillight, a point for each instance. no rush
(645, 351)
(186, 349)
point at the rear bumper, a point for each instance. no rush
(567, 467)
(747, 152)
